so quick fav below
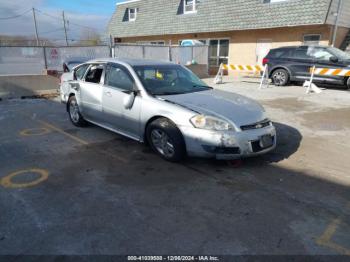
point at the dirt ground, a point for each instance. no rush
(87, 191)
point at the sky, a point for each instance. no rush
(82, 15)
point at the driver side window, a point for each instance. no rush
(94, 74)
(320, 54)
(119, 77)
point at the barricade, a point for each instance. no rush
(257, 69)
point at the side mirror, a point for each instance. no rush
(333, 59)
(129, 100)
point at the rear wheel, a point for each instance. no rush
(280, 77)
(74, 113)
(166, 140)
(348, 83)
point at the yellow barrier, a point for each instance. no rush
(244, 68)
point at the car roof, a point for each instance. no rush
(298, 46)
(131, 62)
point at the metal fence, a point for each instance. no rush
(33, 60)
(178, 54)
(56, 56)
(21, 60)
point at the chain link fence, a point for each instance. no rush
(34, 60)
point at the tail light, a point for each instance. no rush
(265, 61)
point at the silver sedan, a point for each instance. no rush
(168, 107)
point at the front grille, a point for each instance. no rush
(257, 125)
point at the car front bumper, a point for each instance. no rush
(227, 145)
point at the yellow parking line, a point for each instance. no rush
(326, 238)
(75, 138)
(59, 130)
(79, 140)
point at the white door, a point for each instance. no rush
(263, 47)
(90, 90)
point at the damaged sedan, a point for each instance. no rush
(168, 107)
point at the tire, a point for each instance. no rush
(166, 140)
(280, 77)
(348, 84)
(74, 114)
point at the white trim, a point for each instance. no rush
(194, 9)
(132, 19)
(127, 2)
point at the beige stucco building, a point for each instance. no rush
(238, 32)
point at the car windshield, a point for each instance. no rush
(169, 80)
(339, 53)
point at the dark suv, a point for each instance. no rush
(288, 64)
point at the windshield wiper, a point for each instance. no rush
(167, 94)
(208, 87)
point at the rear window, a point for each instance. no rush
(280, 53)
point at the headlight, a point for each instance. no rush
(210, 123)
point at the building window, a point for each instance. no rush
(313, 39)
(132, 14)
(188, 42)
(218, 51)
(190, 6)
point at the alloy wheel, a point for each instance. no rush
(279, 78)
(162, 143)
(74, 111)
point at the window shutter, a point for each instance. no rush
(126, 15)
(180, 10)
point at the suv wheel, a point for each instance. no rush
(74, 112)
(166, 140)
(280, 77)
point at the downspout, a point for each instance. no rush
(336, 22)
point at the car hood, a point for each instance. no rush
(230, 106)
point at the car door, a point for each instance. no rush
(326, 59)
(69, 81)
(120, 86)
(90, 93)
(300, 63)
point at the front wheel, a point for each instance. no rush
(280, 77)
(348, 83)
(74, 113)
(166, 140)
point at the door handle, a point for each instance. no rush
(108, 94)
